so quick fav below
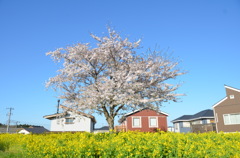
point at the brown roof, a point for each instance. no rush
(133, 112)
(72, 110)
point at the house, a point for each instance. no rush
(202, 121)
(102, 129)
(227, 111)
(144, 120)
(71, 121)
(33, 130)
(170, 129)
(10, 130)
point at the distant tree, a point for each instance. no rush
(24, 125)
(112, 77)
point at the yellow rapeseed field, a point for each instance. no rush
(122, 145)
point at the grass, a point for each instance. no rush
(14, 151)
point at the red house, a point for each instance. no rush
(144, 120)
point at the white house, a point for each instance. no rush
(102, 129)
(71, 121)
(189, 123)
(33, 130)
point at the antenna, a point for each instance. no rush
(58, 106)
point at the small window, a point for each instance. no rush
(153, 122)
(136, 122)
(69, 120)
(231, 96)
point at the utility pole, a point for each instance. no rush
(9, 118)
(17, 123)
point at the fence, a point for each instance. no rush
(201, 128)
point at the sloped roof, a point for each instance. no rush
(204, 113)
(136, 111)
(226, 87)
(36, 129)
(200, 115)
(184, 118)
(232, 88)
(103, 128)
(72, 110)
(11, 129)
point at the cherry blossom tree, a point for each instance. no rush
(113, 77)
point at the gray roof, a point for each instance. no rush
(204, 113)
(11, 129)
(103, 128)
(36, 129)
(200, 115)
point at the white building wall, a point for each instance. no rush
(208, 121)
(80, 123)
(182, 127)
(176, 127)
(23, 131)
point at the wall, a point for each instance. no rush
(80, 123)
(23, 131)
(228, 106)
(145, 114)
(180, 127)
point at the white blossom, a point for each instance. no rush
(113, 77)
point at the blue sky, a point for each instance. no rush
(203, 34)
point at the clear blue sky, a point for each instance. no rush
(203, 34)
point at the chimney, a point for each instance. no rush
(58, 106)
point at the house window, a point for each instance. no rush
(197, 122)
(136, 122)
(204, 121)
(69, 120)
(231, 119)
(153, 122)
(185, 124)
(231, 96)
(176, 126)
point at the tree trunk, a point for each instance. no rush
(109, 115)
(110, 121)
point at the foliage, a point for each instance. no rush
(128, 144)
(24, 125)
(113, 77)
(4, 146)
(11, 146)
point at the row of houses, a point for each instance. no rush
(225, 117)
(25, 130)
(202, 121)
(73, 121)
